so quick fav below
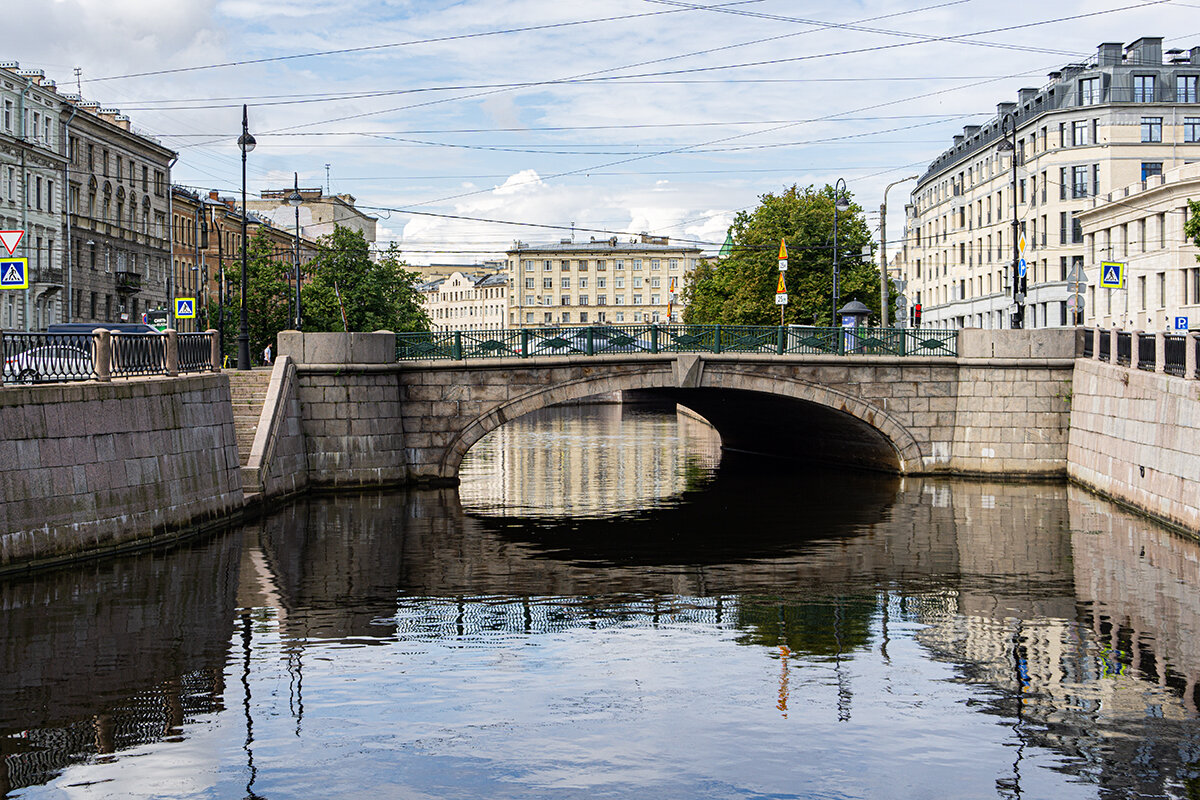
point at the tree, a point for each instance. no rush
(268, 296)
(349, 291)
(1191, 228)
(739, 289)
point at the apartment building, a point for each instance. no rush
(319, 213)
(207, 231)
(32, 159)
(466, 301)
(1126, 115)
(1141, 226)
(606, 281)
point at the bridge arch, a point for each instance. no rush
(733, 400)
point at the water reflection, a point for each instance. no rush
(752, 631)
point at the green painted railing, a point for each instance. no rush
(596, 340)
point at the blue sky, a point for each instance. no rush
(663, 116)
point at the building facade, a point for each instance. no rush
(117, 225)
(32, 162)
(1142, 226)
(207, 232)
(1127, 115)
(606, 281)
(319, 212)
(466, 301)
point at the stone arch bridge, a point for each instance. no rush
(1001, 406)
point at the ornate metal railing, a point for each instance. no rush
(1174, 353)
(61, 357)
(47, 357)
(138, 354)
(1124, 347)
(1105, 347)
(595, 340)
(1146, 351)
(195, 352)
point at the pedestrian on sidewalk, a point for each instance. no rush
(267, 355)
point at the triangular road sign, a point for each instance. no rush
(1077, 274)
(782, 250)
(10, 240)
(781, 288)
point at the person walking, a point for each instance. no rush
(267, 354)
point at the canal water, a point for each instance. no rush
(609, 608)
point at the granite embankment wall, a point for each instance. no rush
(1134, 438)
(94, 466)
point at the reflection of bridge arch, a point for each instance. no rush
(755, 412)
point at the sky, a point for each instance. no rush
(451, 121)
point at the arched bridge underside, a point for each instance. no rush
(879, 414)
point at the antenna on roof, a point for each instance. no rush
(327, 191)
(78, 82)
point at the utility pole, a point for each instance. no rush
(884, 289)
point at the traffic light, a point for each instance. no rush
(916, 315)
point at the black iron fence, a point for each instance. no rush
(1175, 353)
(1146, 351)
(1124, 347)
(62, 357)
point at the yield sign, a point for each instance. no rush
(10, 240)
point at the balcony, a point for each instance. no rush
(129, 282)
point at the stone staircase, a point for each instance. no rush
(247, 390)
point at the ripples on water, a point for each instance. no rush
(613, 611)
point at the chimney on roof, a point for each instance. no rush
(1108, 54)
(1195, 56)
(1147, 50)
(1025, 95)
(1005, 108)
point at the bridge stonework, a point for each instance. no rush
(1001, 408)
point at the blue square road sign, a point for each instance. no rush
(14, 273)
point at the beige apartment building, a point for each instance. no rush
(1141, 226)
(466, 302)
(605, 281)
(319, 213)
(1125, 116)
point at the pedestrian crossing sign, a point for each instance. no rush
(1112, 275)
(185, 307)
(14, 273)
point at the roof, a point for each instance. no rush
(606, 246)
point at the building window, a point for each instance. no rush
(1185, 88)
(1079, 133)
(566, 300)
(1076, 231)
(582, 265)
(1095, 179)
(566, 282)
(529, 283)
(1079, 181)
(601, 300)
(546, 265)
(1151, 129)
(619, 316)
(619, 264)
(1151, 168)
(1191, 129)
(1089, 91)
(1143, 88)
(583, 301)
(8, 115)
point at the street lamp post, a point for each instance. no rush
(840, 203)
(1007, 146)
(294, 200)
(885, 290)
(246, 144)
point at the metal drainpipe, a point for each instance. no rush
(171, 245)
(25, 192)
(67, 204)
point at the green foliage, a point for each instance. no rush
(740, 289)
(1191, 228)
(268, 296)
(347, 290)
(834, 627)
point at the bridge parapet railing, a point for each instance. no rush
(1175, 354)
(594, 340)
(41, 357)
(1147, 351)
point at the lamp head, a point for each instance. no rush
(294, 200)
(1005, 145)
(246, 142)
(842, 203)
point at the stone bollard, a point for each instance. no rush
(1135, 347)
(102, 354)
(1112, 345)
(1189, 355)
(172, 364)
(1160, 351)
(1096, 334)
(215, 349)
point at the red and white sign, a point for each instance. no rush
(10, 240)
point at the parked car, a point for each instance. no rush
(51, 362)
